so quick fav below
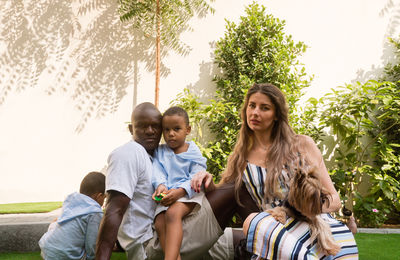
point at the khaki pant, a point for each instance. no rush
(201, 232)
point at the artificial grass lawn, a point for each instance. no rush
(36, 256)
(34, 207)
(370, 247)
(378, 246)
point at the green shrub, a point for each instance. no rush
(369, 212)
(358, 116)
(254, 50)
(362, 118)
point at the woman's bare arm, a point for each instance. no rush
(309, 149)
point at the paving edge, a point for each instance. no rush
(379, 230)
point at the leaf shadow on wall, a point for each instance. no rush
(204, 88)
(94, 63)
(392, 10)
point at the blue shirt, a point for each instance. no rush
(74, 234)
(176, 170)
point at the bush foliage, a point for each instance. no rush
(362, 119)
(254, 50)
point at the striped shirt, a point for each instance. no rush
(269, 239)
(254, 179)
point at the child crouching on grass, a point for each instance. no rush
(173, 166)
(73, 235)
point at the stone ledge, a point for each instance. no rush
(379, 230)
(21, 237)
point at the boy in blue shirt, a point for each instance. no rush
(73, 235)
(174, 165)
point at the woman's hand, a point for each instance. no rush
(200, 179)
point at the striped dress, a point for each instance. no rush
(269, 239)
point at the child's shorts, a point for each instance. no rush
(197, 198)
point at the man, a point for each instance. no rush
(128, 184)
(129, 203)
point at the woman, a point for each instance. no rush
(263, 160)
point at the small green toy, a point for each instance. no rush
(159, 197)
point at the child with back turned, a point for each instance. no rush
(73, 235)
(173, 166)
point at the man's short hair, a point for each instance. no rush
(177, 111)
(93, 182)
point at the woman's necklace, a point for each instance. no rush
(263, 147)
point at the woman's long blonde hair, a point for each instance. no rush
(281, 151)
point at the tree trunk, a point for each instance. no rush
(158, 36)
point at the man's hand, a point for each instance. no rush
(160, 189)
(201, 178)
(172, 196)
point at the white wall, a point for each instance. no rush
(71, 72)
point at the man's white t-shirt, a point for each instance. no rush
(129, 172)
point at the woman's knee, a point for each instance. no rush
(247, 221)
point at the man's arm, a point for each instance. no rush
(116, 205)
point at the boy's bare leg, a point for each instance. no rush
(173, 222)
(159, 225)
